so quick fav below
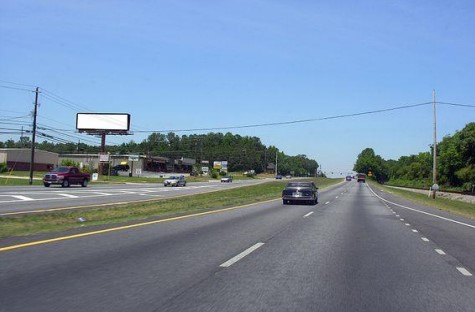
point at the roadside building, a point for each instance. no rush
(19, 159)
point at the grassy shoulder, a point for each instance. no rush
(421, 184)
(453, 206)
(68, 220)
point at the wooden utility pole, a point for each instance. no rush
(33, 139)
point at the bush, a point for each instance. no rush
(3, 167)
(69, 162)
(223, 173)
(214, 175)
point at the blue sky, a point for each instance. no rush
(207, 64)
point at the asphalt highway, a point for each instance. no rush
(27, 199)
(351, 252)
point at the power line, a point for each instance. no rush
(18, 84)
(455, 104)
(292, 121)
(15, 88)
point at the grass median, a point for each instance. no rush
(453, 206)
(67, 220)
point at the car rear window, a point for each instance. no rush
(299, 184)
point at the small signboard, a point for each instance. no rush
(133, 157)
(104, 157)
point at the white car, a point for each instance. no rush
(227, 179)
(175, 181)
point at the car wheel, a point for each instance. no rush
(46, 184)
(84, 183)
(65, 183)
(284, 202)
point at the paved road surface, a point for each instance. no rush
(348, 253)
(26, 199)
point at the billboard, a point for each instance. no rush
(111, 122)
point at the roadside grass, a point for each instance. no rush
(453, 206)
(68, 220)
(421, 184)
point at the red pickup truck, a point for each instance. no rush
(65, 176)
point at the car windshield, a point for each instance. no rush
(61, 169)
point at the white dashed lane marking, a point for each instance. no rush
(243, 254)
(308, 214)
(440, 252)
(464, 271)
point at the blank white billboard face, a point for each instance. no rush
(109, 122)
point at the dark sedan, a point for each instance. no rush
(304, 192)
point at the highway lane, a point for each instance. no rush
(451, 234)
(348, 253)
(23, 199)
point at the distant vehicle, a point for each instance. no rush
(288, 176)
(175, 181)
(348, 178)
(361, 177)
(227, 179)
(306, 192)
(278, 177)
(65, 176)
(121, 168)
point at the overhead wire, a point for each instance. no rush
(292, 121)
(456, 104)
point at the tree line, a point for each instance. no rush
(243, 153)
(455, 164)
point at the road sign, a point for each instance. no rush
(133, 157)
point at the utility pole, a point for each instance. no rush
(276, 153)
(33, 139)
(435, 187)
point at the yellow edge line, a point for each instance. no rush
(120, 228)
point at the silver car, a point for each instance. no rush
(175, 181)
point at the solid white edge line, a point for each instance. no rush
(308, 214)
(423, 212)
(241, 255)
(464, 271)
